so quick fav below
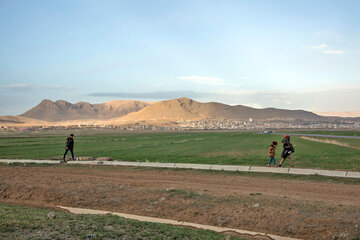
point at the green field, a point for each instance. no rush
(31, 223)
(240, 148)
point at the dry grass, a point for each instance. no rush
(330, 141)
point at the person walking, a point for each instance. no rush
(287, 151)
(69, 147)
(272, 153)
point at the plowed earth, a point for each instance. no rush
(294, 208)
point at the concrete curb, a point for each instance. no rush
(193, 166)
(268, 169)
(161, 165)
(233, 168)
(173, 222)
(353, 174)
(317, 172)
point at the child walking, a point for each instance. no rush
(272, 154)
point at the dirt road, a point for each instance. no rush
(302, 209)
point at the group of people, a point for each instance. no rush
(288, 149)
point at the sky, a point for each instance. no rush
(295, 54)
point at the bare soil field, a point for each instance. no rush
(294, 208)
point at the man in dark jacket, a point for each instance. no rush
(287, 150)
(69, 146)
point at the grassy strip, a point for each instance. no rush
(233, 148)
(18, 222)
(310, 178)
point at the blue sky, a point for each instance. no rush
(284, 54)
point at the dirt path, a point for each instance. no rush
(283, 207)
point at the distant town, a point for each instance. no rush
(205, 124)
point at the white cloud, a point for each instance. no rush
(331, 51)
(55, 87)
(324, 48)
(28, 87)
(147, 95)
(17, 86)
(204, 80)
(320, 47)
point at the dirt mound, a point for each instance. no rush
(312, 210)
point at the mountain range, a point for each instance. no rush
(188, 109)
(126, 111)
(61, 110)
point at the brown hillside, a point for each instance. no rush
(187, 109)
(20, 121)
(61, 110)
